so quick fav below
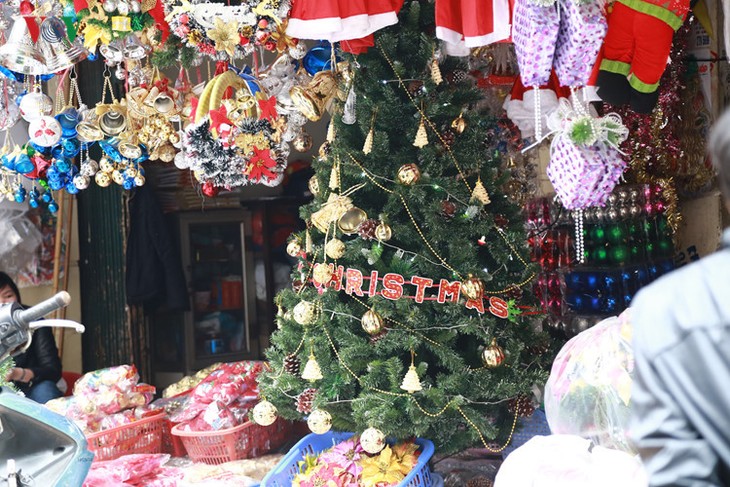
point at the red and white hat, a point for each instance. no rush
(463, 24)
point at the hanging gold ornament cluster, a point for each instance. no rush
(264, 413)
(372, 322)
(473, 288)
(312, 372)
(305, 313)
(319, 421)
(409, 174)
(493, 355)
(372, 440)
(331, 211)
(480, 193)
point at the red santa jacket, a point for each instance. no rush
(673, 12)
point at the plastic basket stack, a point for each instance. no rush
(286, 470)
(143, 436)
(248, 440)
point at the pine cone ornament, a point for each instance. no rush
(480, 482)
(292, 364)
(448, 208)
(415, 88)
(501, 221)
(540, 348)
(525, 404)
(448, 137)
(456, 76)
(514, 293)
(305, 399)
(297, 285)
(377, 337)
(366, 230)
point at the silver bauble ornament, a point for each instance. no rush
(372, 440)
(81, 181)
(319, 421)
(109, 6)
(264, 413)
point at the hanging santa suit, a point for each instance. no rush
(464, 24)
(339, 20)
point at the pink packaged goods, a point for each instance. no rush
(222, 400)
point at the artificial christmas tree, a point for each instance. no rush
(438, 298)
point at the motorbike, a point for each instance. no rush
(38, 448)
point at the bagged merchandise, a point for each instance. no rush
(589, 388)
(187, 383)
(140, 470)
(107, 398)
(222, 400)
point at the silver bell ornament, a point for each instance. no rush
(59, 52)
(19, 53)
(120, 73)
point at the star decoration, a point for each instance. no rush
(225, 35)
(268, 108)
(260, 165)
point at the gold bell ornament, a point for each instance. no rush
(459, 124)
(312, 100)
(383, 232)
(319, 421)
(351, 220)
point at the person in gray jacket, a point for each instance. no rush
(681, 393)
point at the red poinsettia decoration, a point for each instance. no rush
(268, 108)
(260, 165)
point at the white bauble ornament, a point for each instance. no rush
(304, 313)
(372, 440)
(319, 421)
(264, 413)
(44, 131)
(35, 105)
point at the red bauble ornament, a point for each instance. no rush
(210, 190)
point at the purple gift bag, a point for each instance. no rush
(535, 33)
(582, 30)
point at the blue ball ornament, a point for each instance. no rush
(56, 184)
(64, 164)
(57, 151)
(71, 147)
(33, 202)
(318, 58)
(53, 206)
(46, 197)
(46, 151)
(128, 183)
(71, 188)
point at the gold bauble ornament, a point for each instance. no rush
(314, 185)
(372, 322)
(372, 440)
(473, 288)
(493, 355)
(139, 180)
(352, 219)
(143, 137)
(302, 142)
(322, 274)
(264, 413)
(293, 247)
(319, 421)
(102, 179)
(106, 165)
(459, 124)
(118, 176)
(411, 382)
(167, 153)
(324, 150)
(304, 313)
(409, 174)
(383, 232)
(335, 248)
(174, 138)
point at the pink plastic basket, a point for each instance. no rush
(143, 436)
(170, 443)
(248, 440)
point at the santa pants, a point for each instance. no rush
(637, 46)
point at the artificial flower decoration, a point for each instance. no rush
(345, 456)
(320, 476)
(260, 165)
(225, 35)
(267, 107)
(382, 469)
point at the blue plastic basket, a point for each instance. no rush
(283, 474)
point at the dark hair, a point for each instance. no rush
(6, 280)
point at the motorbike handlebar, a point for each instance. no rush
(59, 300)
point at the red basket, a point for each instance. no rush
(248, 440)
(143, 436)
(170, 443)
